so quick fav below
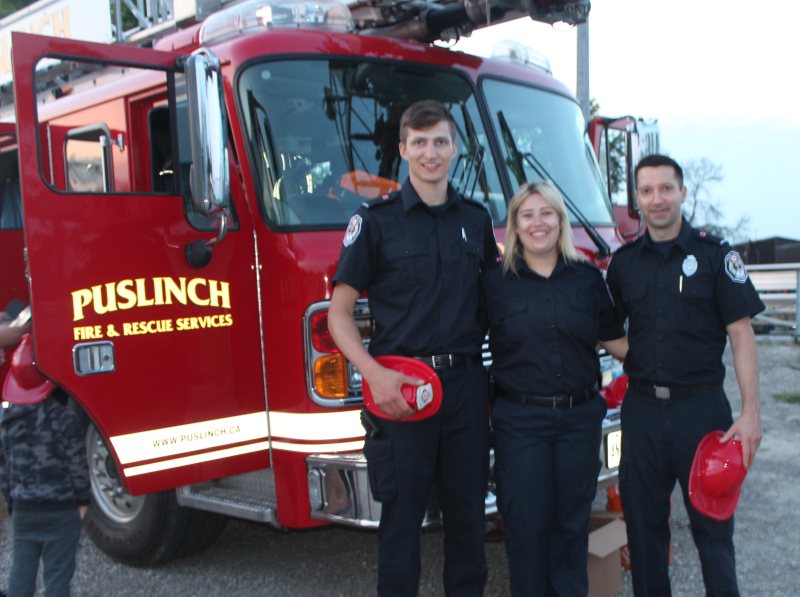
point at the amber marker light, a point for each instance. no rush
(330, 376)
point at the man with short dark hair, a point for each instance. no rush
(684, 293)
(418, 254)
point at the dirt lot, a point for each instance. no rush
(767, 534)
(257, 560)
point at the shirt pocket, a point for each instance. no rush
(582, 319)
(412, 262)
(696, 299)
(509, 321)
(470, 257)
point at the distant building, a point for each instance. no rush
(770, 250)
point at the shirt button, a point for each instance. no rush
(558, 375)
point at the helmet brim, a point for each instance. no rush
(430, 383)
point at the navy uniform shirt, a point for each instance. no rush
(543, 332)
(420, 267)
(679, 305)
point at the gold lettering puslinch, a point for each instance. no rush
(147, 292)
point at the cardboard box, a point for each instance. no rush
(607, 533)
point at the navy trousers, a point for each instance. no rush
(51, 536)
(546, 466)
(659, 439)
(450, 452)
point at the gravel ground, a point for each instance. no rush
(257, 560)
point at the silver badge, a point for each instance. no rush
(734, 267)
(689, 265)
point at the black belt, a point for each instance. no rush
(556, 402)
(445, 361)
(666, 392)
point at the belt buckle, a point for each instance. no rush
(440, 361)
(662, 392)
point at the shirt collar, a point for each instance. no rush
(523, 269)
(683, 240)
(411, 198)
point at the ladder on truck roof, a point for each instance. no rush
(157, 17)
(142, 22)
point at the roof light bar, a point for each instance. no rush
(328, 15)
(514, 51)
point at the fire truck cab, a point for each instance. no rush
(183, 207)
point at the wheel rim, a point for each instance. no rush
(107, 490)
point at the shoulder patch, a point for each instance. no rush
(353, 230)
(735, 268)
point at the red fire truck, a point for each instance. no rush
(182, 211)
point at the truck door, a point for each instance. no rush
(13, 290)
(163, 356)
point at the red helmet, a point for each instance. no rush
(425, 398)
(615, 391)
(24, 384)
(715, 481)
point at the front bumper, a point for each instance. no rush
(338, 485)
(338, 489)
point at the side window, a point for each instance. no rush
(88, 160)
(171, 175)
(10, 203)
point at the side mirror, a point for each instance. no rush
(619, 144)
(209, 178)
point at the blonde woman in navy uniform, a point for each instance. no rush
(548, 309)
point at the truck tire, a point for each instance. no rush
(140, 530)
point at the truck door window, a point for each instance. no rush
(114, 142)
(10, 203)
(324, 136)
(171, 175)
(547, 135)
(88, 160)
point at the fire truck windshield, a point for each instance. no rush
(324, 133)
(324, 136)
(547, 141)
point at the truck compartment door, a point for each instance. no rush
(162, 355)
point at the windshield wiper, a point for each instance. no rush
(474, 164)
(518, 168)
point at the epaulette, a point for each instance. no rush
(381, 200)
(627, 246)
(710, 238)
(587, 264)
(475, 203)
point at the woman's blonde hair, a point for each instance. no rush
(554, 199)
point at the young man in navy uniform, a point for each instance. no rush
(684, 293)
(418, 254)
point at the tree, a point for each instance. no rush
(702, 209)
